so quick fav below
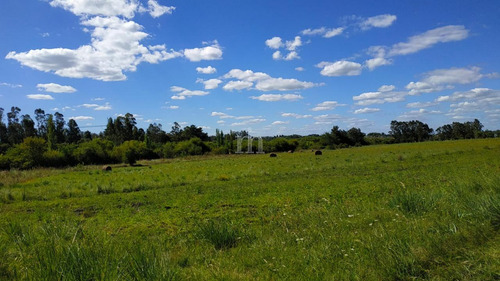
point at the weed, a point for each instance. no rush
(220, 233)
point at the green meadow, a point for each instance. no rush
(389, 212)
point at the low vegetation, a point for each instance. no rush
(416, 211)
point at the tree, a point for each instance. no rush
(28, 126)
(51, 133)
(15, 130)
(356, 137)
(73, 134)
(59, 127)
(155, 135)
(3, 129)
(192, 131)
(175, 133)
(41, 120)
(412, 131)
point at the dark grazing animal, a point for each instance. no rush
(318, 152)
(273, 155)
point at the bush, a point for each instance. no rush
(54, 158)
(96, 151)
(193, 146)
(167, 150)
(27, 154)
(281, 145)
(131, 151)
(4, 162)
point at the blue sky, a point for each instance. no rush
(269, 67)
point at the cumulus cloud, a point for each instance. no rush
(376, 62)
(82, 118)
(55, 88)
(429, 38)
(210, 84)
(249, 122)
(296, 116)
(280, 122)
(115, 48)
(278, 97)
(182, 93)
(327, 105)
(420, 104)
(380, 21)
(11, 85)
(277, 43)
(274, 43)
(366, 110)
(263, 82)
(174, 107)
(418, 114)
(379, 97)
(212, 52)
(206, 70)
(237, 85)
(440, 79)
(281, 84)
(386, 88)
(157, 10)
(40, 97)
(299, 68)
(124, 8)
(340, 68)
(97, 107)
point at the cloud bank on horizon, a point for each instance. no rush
(359, 71)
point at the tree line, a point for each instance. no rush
(53, 142)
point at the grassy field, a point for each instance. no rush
(394, 212)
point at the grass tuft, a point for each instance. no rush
(221, 234)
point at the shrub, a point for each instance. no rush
(131, 151)
(27, 154)
(54, 158)
(193, 146)
(96, 151)
(4, 162)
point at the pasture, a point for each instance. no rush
(390, 212)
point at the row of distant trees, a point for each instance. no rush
(53, 142)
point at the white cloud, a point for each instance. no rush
(55, 88)
(366, 110)
(157, 10)
(323, 31)
(115, 48)
(333, 32)
(206, 70)
(376, 62)
(327, 105)
(370, 98)
(98, 99)
(277, 55)
(82, 118)
(281, 84)
(386, 88)
(210, 84)
(11, 85)
(249, 122)
(429, 38)
(280, 122)
(264, 82)
(174, 107)
(40, 97)
(340, 68)
(182, 93)
(440, 79)
(237, 85)
(212, 52)
(124, 8)
(291, 56)
(379, 21)
(274, 43)
(293, 45)
(103, 107)
(300, 68)
(221, 121)
(295, 115)
(418, 114)
(278, 97)
(419, 104)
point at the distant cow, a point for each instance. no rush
(106, 168)
(318, 152)
(273, 155)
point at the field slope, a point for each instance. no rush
(394, 212)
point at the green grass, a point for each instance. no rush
(396, 212)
